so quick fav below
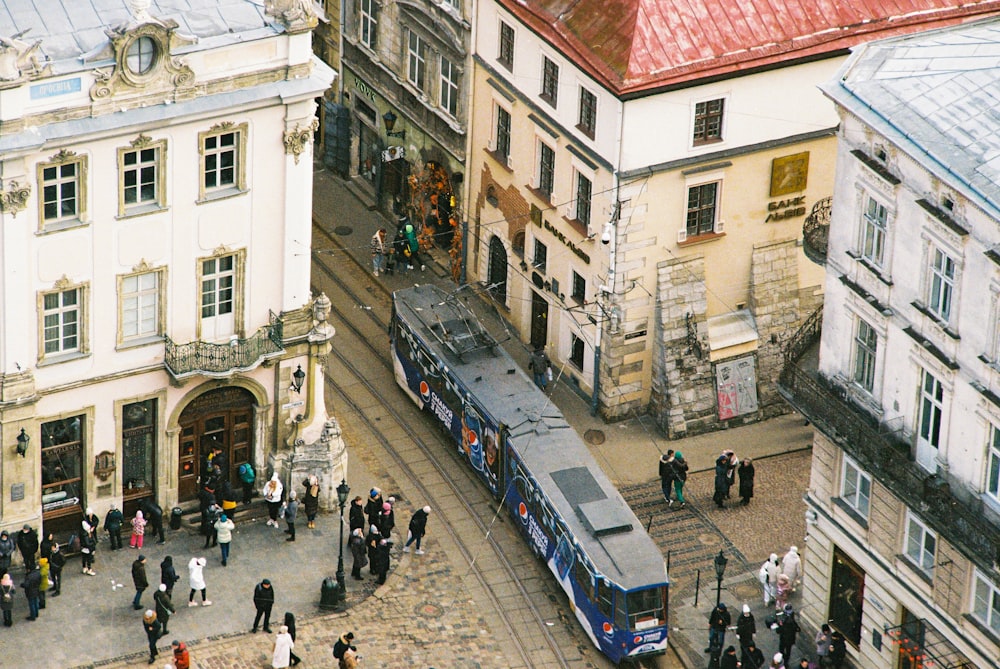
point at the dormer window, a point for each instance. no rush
(141, 55)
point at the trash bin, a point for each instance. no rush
(175, 518)
(329, 594)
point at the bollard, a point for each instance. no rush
(175, 518)
(329, 596)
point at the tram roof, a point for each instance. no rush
(575, 484)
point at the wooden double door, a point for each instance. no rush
(223, 419)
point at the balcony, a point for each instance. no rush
(816, 231)
(956, 514)
(202, 358)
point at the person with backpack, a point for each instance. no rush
(540, 367)
(247, 478)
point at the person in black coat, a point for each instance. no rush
(57, 560)
(371, 544)
(729, 659)
(310, 501)
(33, 591)
(290, 624)
(208, 518)
(45, 549)
(417, 529)
(357, 515)
(667, 475)
(838, 649)
(153, 513)
(752, 658)
(27, 544)
(113, 526)
(381, 564)
(221, 460)
(788, 630)
(154, 630)
(746, 472)
(168, 575)
(263, 601)
(721, 480)
(357, 544)
(746, 627)
(373, 509)
(718, 620)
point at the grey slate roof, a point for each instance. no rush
(935, 94)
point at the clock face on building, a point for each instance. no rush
(141, 56)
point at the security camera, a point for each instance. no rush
(606, 237)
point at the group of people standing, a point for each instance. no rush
(673, 470)
(373, 548)
(403, 251)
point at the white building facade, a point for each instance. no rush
(156, 179)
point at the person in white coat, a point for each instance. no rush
(791, 566)
(273, 494)
(196, 578)
(282, 655)
(768, 576)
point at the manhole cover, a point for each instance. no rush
(343, 230)
(709, 539)
(429, 611)
(595, 437)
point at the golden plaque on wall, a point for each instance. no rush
(789, 174)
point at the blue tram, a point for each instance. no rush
(525, 452)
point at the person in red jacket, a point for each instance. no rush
(181, 658)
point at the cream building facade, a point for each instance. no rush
(155, 202)
(904, 504)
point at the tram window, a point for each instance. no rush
(621, 621)
(605, 598)
(584, 577)
(646, 608)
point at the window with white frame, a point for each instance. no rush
(223, 151)
(62, 182)
(856, 488)
(708, 117)
(584, 189)
(546, 169)
(550, 81)
(140, 305)
(588, 112)
(449, 86)
(140, 170)
(416, 68)
(217, 282)
(506, 48)
(865, 351)
(986, 602)
(941, 284)
(920, 543)
(502, 134)
(993, 471)
(368, 22)
(874, 227)
(61, 321)
(701, 208)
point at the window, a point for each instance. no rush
(62, 466)
(368, 22)
(865, 349)
(138, 449)
(541, 256)
(579, 288)
(993, 474)
(141, 55)
(223, 149)
(576, 353)
(546, 169)
(140, 305)
(61, 318)
(856, 488)
(708, 121)
(701, 209)
(506, 55)
(140, 170)
(941, 285)
(550, 81)
(449, 87)
(873, 232)
(416, 67)
(63, 182)
(503, 134)
(921, 544)
(517, 243)
(583, 192)
(986, 602)
(930, 420)
(217, 278)
(646, 608)
(588, 112)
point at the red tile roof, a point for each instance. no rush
(635, 46)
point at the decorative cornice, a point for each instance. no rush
(143, 266)
(62, 283)
(141, 141)
(64, 156)
(297, 139)
(14, 197)
(222, 125)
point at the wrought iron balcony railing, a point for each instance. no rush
(220, 360)
(816, 231)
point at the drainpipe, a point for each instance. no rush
(604, 293)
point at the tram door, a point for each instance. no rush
(219, 419)
(539, 321)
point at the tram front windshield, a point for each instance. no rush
(646, 608)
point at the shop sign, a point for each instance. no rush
(572, 247)
(365, 89)
(782, 209)
(393, 153)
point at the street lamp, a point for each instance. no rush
(343, 490)
(720, 571)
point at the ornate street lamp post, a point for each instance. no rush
(720, 571)
(343, 490)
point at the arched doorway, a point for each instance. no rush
(496, 276)
(220, 418)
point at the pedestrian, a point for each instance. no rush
(732, 463)
(138, 530)
(344, 644)
(152, 627)
(782, 591)
(400, 251)
(290, 624)
(746, 472)
(7, 546)
(182, 659)
(413, 245)
(356, 542)
(788, 630)
(838, 649)
(752, 657)
(209, 517)
(247, 478)
(378, 248)
(139, 580)
(220, 461)
(791, 566)
(281, 655)
(57, 560)
(382, 551)
(91, 519)
(45, 548)
(371, 545)
(310, 501)
(680, 466)
(27, 544)
(541, 368)
(168, 575)
(273, 494)
(729, 659)
(746, 626)
(113, 521)
(43, 586)
(778, 661)
(196, 579)
(228, 496)
(387, 520)
(718, 620)
(291, 510)
(153, 513)
(164, 606)
(32, 584)
(7, 592)
(356, 515)
(667, 475)
(824, 642)
(417, 530)
(721, 480)
(263, 600)
(88, 550)
(804, 663)
(374, 506)
(768, 576)
(224, 527)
